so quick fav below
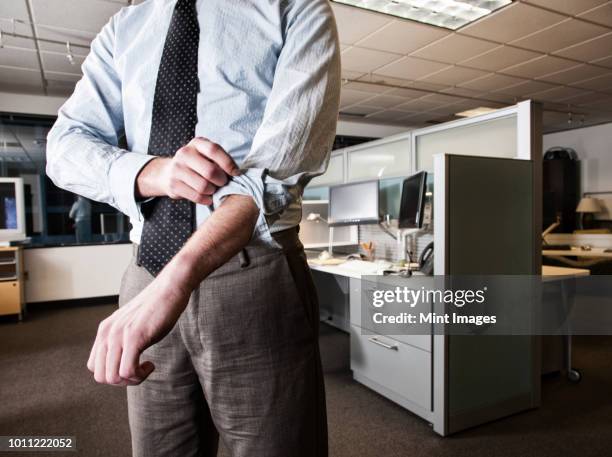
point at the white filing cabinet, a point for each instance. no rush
(396, 366)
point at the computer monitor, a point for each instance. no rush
(413, 201)
(12, 210)
(354, 203)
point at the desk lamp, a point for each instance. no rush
(587, 207)
(315, 217)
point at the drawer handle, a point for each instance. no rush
(375, 340)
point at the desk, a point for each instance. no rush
(593, 253)
(399, 367)
(551, 274)
(582, 258)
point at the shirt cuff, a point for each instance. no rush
(122, 180)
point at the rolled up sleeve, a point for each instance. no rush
(293, 142)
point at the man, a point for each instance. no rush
(80, 212)
(216, 334)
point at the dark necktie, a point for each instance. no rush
(169, 223)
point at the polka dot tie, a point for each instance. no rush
(169, 223)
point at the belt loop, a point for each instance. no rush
(243, 258)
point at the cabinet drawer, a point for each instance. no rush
(420, 341)
(10, 298)
(398, 367)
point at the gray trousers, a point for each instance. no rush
(242, 363)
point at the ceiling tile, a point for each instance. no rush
(539, 66)
(454, 75)
(59, 76)
(421, 118)
(578, 73)
(410, 68)
(13, 9)
(60, 88)
(59, 62)
(590, 97)
(562, 35)
(79, 40)
(601, 15)
(419, 105)
(360, 110)
(350, 97)
(605, 62)
(365, 87)
(512, 22)
(463, 92)
(572, 7)
(558, 94)
(403, 37)
(14, 57)
(83, 15)
(526, 88)
(14, 80)
(365, 60)
(454, 49)
(347, 74)
(601, 83)
(500, 57)
(20, 28)
(442, 99)
(387, 115)
(406, 93)
(424, 85)
(386, 101)
(355, 24)
(589, 50)
(491, 83)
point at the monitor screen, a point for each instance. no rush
(8, 206)
(355, 203)
(413, 201)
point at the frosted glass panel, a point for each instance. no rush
(334, 173)
(380, 161)
(494, 138)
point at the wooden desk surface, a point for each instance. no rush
(593, 253)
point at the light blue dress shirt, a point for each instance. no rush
(269, 75)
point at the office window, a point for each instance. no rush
(53, 215)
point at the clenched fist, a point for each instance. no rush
(194, 173)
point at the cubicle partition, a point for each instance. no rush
(487, 220)
(484, 225)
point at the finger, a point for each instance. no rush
(91, 365)
(113, 359)
(182, 190)
(216, 153)
(196, 182)
(207, 169)
(130, 368)
(100, 363)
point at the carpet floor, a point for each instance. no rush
(45, 389)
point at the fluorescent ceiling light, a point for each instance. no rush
(475, 112)
(450, 14)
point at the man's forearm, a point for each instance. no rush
(217, 240)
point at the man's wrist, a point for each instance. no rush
(149, 179)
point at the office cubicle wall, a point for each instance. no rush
(494, 137)
(486, 208)
(513, 132)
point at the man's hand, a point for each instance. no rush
(148, 317)
(194, 173)
(125, 334)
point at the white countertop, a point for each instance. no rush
(358, 268)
